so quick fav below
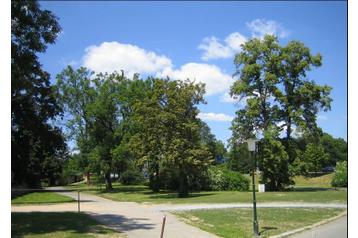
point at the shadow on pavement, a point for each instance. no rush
(121, 223)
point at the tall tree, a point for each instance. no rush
(273, 81)
(33, 101)
(75, 94)
(300, 98)
(104, 118)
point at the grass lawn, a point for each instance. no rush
(323, 181)
(41, 197)
(233, 223)
(141, 193)
(52, 224)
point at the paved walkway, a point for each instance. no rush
(334, 229)
(143, 220)
(136, 220)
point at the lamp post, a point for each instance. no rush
(251, 144)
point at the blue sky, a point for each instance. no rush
(199, 40)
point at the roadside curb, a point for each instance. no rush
(288, 233)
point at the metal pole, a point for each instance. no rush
(163, 225)
(256, 225)
(78, 200)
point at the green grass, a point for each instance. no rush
(142, 194)
(234, 223)
(41, 197)
(322, 181)
(52, 224)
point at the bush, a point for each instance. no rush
(221, 178)
(340, 178)
(131, 177)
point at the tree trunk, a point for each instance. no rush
(154, 180)
(108, 181)
(183, 186)
(88, 177)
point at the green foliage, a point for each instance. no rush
(340, 178)
(239, 159)
(221, 179)
(313, 159)
(336, 148)
(272, 79)
(274, 163)
(131, 177)
(34, 106)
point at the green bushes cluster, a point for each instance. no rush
(340, 178)
(220, 178)
(131, 177)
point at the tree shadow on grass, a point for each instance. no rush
(312, 189)
(72, 223)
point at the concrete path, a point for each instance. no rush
(136, 220)
(334, 229)
(143, 220)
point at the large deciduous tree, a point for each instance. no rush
(75, 93)
(279, 95)
(33, 101)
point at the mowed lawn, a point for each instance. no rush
(233, 223)
(142, 194)
(40, 197)
(53, 224)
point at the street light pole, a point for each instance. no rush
(251, 145)
(256, 224)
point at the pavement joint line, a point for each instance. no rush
(302, 229)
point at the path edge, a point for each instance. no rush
(302, 229)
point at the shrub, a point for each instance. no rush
(131, 177)
(221, 178)
(340, 178)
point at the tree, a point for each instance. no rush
(272, 80)
(312, 160)
(75, 93)
(336, 148)
(239, 158)
(34, 106)
(274, 162)
(340, 178)
(300, 99)
(258, 74)
(216, 147)
(166, 132)
(104, 119)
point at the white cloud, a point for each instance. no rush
(214, 116)
(261, 27)
(115, 56)
(215, 80)
(235, 40)
(213, 49)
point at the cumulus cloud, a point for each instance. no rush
(215, 80)
(235, 40)
(261, 27)
(115, 56)
(214, 116)
(213, 49)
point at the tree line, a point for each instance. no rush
(151, 126)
